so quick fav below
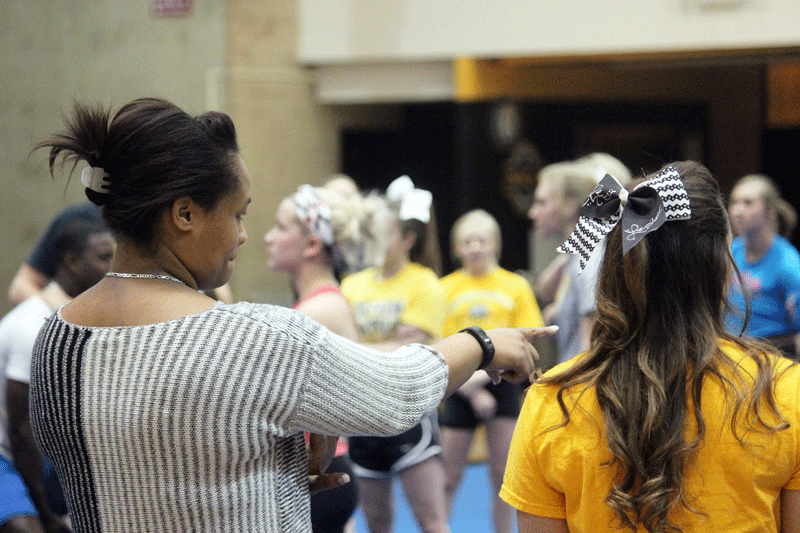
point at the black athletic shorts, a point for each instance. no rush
(383, 457)
(457, 411)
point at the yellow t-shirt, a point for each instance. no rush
(500, 299)
(414, 297)
(560, 473)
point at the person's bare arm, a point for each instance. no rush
(27, 457)
(333, 312)
(27, 282)
(790, 511)
(515, 357)
(549, 280)
(528, 523)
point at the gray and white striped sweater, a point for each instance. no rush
(196, 424)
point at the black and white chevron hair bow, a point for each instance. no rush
(653, 202)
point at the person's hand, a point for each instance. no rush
(321, 451)
(56, 524)
(483, 404)
(515, 357)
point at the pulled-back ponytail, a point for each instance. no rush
(153, 153)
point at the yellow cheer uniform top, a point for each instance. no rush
(561, 473)
(500, 299)
(414, 296)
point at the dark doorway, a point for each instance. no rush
(449, 149)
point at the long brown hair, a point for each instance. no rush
(657, 336)
(425, 250)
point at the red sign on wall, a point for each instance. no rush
(172, 8)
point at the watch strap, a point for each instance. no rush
(486, 344)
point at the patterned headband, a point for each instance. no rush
(653, 202)
(314, 213)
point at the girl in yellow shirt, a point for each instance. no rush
(398, 303)
(668, 422)
(484, 294)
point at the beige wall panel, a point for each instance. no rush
(109, 52)
(355, 31)
(285, 140)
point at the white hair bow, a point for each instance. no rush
(415, 204)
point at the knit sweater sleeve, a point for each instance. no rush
(327, 384)
(353, 390)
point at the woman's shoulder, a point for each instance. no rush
(267, 320)
(788, 253)
(258, 312)
(422, 273)
(362, 277)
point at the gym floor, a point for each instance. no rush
(470, 514)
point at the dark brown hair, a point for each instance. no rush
(425, 250)
(154, 153)
(657, 337)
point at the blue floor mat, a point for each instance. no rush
(471, 513)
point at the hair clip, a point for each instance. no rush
(94, 178)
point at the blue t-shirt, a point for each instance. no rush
(770, 281)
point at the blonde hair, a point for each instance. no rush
(360, 224)
(604, 163)
(784, 218)
(343, 184)
(476, 217)
(571, 180)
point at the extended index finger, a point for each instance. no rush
(532, 333)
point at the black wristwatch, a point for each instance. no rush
(486, 344)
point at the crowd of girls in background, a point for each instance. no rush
(396, 298)
(657, 345)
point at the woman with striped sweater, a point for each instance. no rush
(164, 410)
